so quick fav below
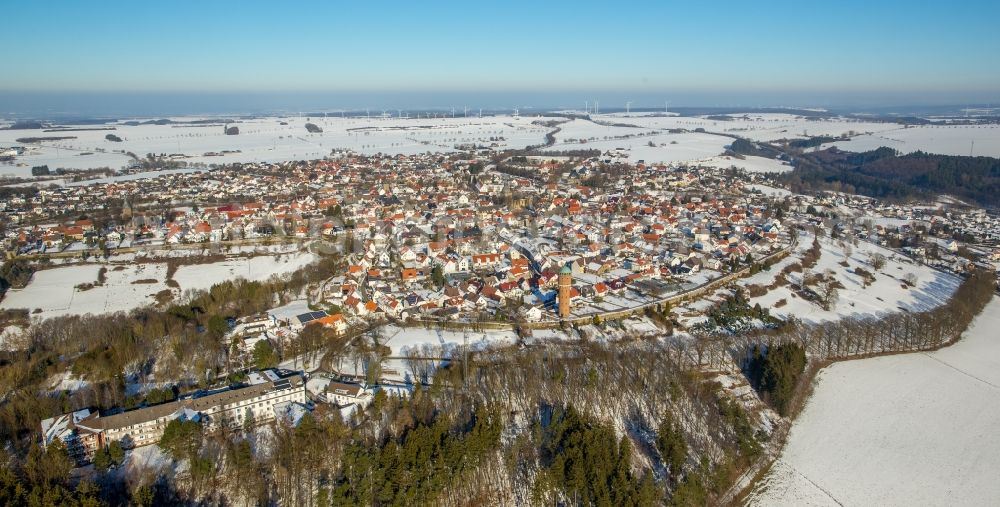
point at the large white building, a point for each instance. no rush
(267, 396)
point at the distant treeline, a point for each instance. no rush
(164, 121)
(884, 173)
(68, 129)
(26, 125)
(745, 147)
(27, 140)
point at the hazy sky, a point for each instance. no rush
(726, 52)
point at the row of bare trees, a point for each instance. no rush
(880, 334)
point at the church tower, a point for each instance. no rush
(565, 287)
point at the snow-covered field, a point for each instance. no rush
(980, 140)
(885, 294)
(442, 342)
(267, 140)
(584, 130)
(258, 268)
(750, 164)
(666, 147)
(760, 127)
(910, 429)
(769, 190)
(54, 290)
(865, 135)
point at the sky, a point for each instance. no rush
(327, 54)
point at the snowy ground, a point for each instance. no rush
(54, 290)
(442, 342)
(911, 429)
(666, 147)
(258, 268)
(265, 139)
(865, 135)
(885, 294)
(980, 140)
(771, 191)
(760, 127)
(749, 164)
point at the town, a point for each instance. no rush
(470, 241)
(357, 281)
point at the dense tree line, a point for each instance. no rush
(885, 174)
(775, 373)
(896, 332)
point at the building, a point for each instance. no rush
(85, 431)
(565, 291)
(64, 428)
(345, 394)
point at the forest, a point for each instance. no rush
(886, 174)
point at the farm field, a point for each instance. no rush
(266, 140)
(909, 429)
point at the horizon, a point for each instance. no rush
(96, 105)
(217, 58)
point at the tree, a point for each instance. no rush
(249, 421)
(181, 439)
(779, 374)
(673, 449)
(437, 276)
(49, 466)
(877, 261)
(828, 293)
(217, 327)
(116, 452)
(264, 355)
(143, 496)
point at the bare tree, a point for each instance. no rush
(877, 261)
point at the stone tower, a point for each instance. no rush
(565, 287)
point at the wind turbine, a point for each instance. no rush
(627, 106)
(586, 107)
